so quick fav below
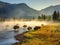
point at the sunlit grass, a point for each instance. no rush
(47, 35)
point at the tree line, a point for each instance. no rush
(55, 16)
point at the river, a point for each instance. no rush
(6, 30)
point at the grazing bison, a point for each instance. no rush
(37, 27)
(29, 28)
(24, 26)
(16, 27)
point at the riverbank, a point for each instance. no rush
(46, 35)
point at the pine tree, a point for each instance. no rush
(39, 17)
(55, 15)
(44, 17)
(58, 14)
(33, 17)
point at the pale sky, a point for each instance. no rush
(35, 4)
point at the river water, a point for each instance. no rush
(7, 37)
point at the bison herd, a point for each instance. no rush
(15, 27)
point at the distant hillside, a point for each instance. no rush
(16, 10)
(22, 10)
(50, 10)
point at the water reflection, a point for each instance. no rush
(7, 37)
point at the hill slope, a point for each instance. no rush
(16, 10)
(50, 10)
(22, 10)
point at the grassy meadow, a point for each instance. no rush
(46, 35)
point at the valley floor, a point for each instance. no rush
(46, 35)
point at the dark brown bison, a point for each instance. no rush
(29, 28)
(16, 27)
(24, 26)
(37, 27)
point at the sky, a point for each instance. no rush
(35, 4)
